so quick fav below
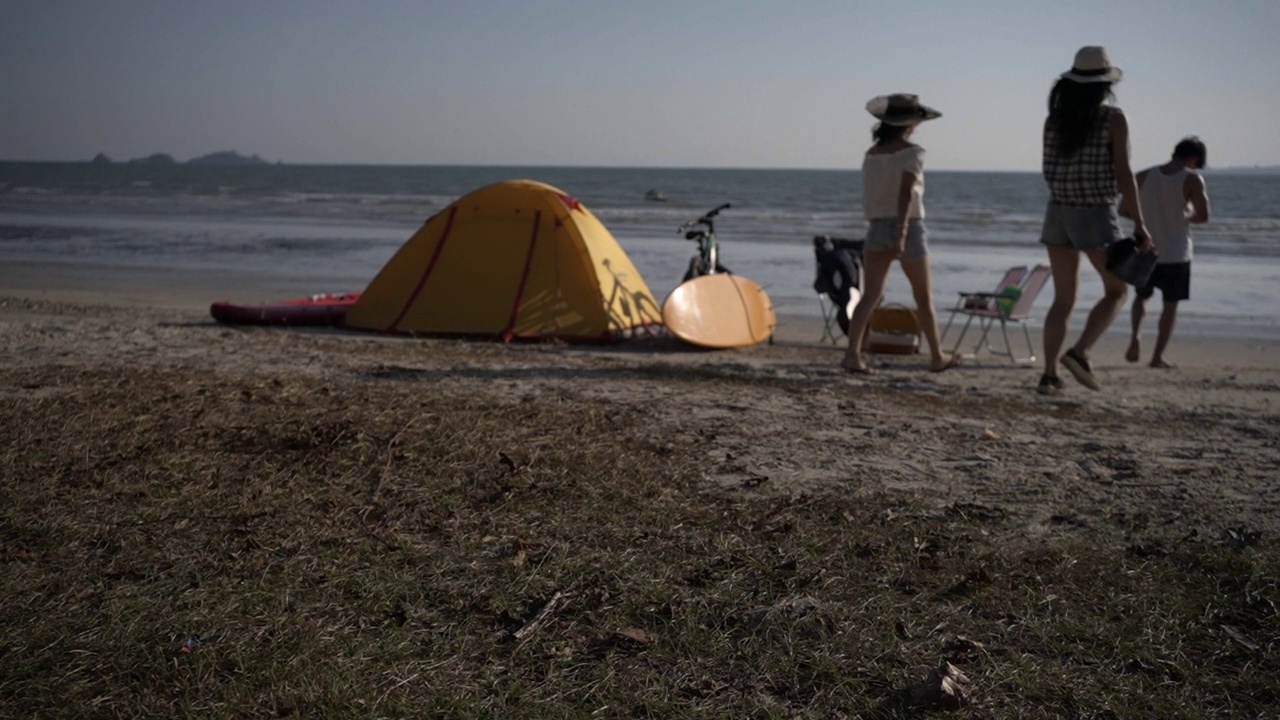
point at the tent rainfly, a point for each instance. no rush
(517, 259)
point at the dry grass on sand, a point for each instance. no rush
(201, 520)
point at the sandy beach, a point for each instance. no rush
(204, 520)
(1189, 450)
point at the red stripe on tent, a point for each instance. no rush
(431, 266)
(570, 201)
(509, 332)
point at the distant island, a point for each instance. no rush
(223, 157)
(155, 159)
(227, 157)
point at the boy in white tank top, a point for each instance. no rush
(1173, 196)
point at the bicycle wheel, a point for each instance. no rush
(697, 268)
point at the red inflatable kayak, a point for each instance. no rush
(322, 309)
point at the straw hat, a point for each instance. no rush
(1093, 64)
(900, 109)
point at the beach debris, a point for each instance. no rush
(557, 601)
(1241, 538)
(943, 688)
(635, 635)
(628, 641)
(195, 641)
(1236, 634)
(963, 649)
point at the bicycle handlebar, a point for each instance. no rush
(706, 218)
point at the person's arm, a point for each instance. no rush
(1125, 210)
(1194, 189)
(1124, 177)
(905, 188)
(912, 170)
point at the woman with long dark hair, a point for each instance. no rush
(1086, 165)
(893, 201)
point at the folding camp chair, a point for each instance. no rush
(893, 329)
(838, 282)
(1010, 302)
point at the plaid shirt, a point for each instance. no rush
(1089, 176)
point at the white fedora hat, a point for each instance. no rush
(900, 109)
(1093, 64)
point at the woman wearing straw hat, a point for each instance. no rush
(1086, 166)
(893, 201)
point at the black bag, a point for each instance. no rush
(839, 272)
(1125, 262)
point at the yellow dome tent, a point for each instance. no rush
(516, 259)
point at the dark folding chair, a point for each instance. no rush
(838, 282)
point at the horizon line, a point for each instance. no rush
(282, 163)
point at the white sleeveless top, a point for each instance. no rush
(881, 178)
(1164, 207)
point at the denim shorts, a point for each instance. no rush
(1082, 227)
(882, 236)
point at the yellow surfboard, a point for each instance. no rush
(719, 311)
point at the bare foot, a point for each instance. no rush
(855, 366)
(947, 364)
(1161, 364)
(1134, 352)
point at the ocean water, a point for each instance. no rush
(337, 225)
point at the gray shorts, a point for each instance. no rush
(881, 236)
(1083, 227)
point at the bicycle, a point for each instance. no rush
(703, 231)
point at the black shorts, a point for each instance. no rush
(1173, 279)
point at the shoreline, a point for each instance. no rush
(1199, 343)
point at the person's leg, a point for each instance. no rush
(875, 273)
(921, 279)
(1168, 316)
(1064, 265)
(1104, 312)
(1175, 284)
(1136, 316)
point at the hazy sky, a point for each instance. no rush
(687, 83)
